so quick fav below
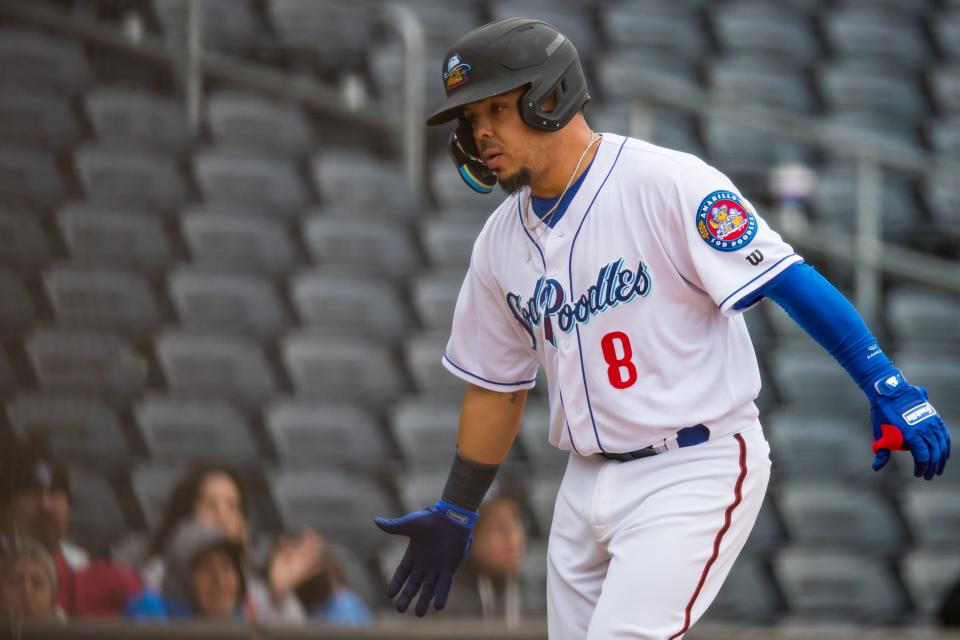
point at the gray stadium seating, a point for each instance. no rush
(245, 181)
(663, 127)
(420, 487)
(834, 199)
(804, 372)
(870, 86)
(29, 176)
(334, 34)
(340, 505)
(341, 368)
(29, 59)
(230, 25)
(256, 122)
(944, 134)
(177, 429)
(941, 195)
(426, 432)
(389, 73)
(376, 247)
(646, 23)
(78, 428)
(341, 301)
(113, 235)
(443, 22)
(626, 73)
(225, 301)
(932, 513)
(95, 297)
(828, 585)
(96, 515)
(135, 118)
(945, 87)
(761, 27)
(434, 297)
(241, 242)
(870, 31)
(134, 177)
(862, 123)
(310, 433)
(16, 307)
(454, 197)
(574, 19)
(85, 361)
(918, 315)
(36, 117)
(423, 354)
(152, 484)
(22, 239)
(533, 436)
(362, 184)
(768, 533)
(828, 515)
(448, 241)
(935, 368)
(740, 151)
(928, 574)
(212, 364)
(749, 595)
(816, 447)
(756, 79)
(542, 497)
(533, 578)
(946, 32)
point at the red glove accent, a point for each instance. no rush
(890, 438)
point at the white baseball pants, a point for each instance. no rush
(640, 549)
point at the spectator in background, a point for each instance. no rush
(488, 584)
(37, 506)
(28, 583)
(214, 495)
(327, 597)
(203, 578)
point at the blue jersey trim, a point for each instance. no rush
(573, 243)
(768, 270)
(473, 375)
(530, 237)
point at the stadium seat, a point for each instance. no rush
(944, 134)
(132, 177)
(829, 515)
(918, 315)
(863, 123)
(748, 595)
(935, 368)
(135, 118)
(36, 117)
(434, 297)
(306, 432)
(768, 533)
(113, 235)
(759, 27)
(230, 25)
(336, 367)
(533, 578)
(210, 364)
(363, 184)
(941, 193)
(340, 505)
(646, 23)
(245, 181)
(101, 298)
(177, 429)
(225, 301)
(96, 514)
(820, 446)
(454, 197)
(835, 200)
(804, 372)
(22, 239)
(332, 34)
(534, 438)
(869, 86)
(420, 487)
(77, 428)
(16, 307)
(542, 496)
(376, 247)
(85, 361)
(735, 149)
(241, 242)
(423, 354)
(932, 513)
(341, 301)
(256, 122)
(574, 20)
(442, 22)
(663, 127)
(29, 60)
(388, 68)
(29, 176)
(928, 574)
(946, 32)
(627, 73)
(945, 87)
(746, 79)
(829, 585)
(426, 432)
(448, 241)
(152, 485)
(877, 32)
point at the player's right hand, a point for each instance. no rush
(440, 537)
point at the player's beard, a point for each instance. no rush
(513, 183)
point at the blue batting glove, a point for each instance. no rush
(903, 419)
(440, 537)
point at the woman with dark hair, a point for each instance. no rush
(214, 494)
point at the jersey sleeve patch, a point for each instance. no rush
(725, 221)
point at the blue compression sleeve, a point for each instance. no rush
(830, 319)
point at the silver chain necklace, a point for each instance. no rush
(548, 216)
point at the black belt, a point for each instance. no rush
(686, 437)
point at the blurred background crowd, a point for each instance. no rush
(228, 264)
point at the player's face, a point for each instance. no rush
(508, 147)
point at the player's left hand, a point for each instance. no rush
(903, 419)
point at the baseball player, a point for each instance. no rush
(622, 269)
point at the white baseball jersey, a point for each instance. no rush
(628, 302)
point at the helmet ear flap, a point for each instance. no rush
(466, 158)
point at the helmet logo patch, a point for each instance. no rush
(457, 73)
